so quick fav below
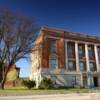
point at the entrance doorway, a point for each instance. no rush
(95, 79)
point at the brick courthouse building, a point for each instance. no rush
(67, 58)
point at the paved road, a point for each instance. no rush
(93, 96)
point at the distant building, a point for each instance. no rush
(12, 75)
(68, 58)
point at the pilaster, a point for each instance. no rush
(87, 57)
(77, 56)
(96, 58)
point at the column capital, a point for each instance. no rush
(95, 45)
(76, 42)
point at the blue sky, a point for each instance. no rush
(71, 15)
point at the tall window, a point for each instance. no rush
(91, 52)
(53, 46)
(92, 66)
(85, 83)
(81, 50)
(53, 63)
(82, 66)
(71, 50)
(71, 66)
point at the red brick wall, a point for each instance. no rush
(61, 53)
(46, 52)
(8, 84)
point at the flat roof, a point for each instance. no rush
(72, 35)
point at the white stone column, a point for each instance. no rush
(87, 57)
(77, 56)
(66, 55)
(96, 57)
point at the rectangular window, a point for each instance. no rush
(71, 80)
(53, 46)
(85, 81)
(92, 66)
(91, 52)
(53, 63)
(81, 51)
(71, 50)
(82, 66)
(71, 66)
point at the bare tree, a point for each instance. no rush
(17, 35)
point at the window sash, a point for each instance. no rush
(82, 66)
(53, 63)
(92, 66)
(53, 46)
(71, 66)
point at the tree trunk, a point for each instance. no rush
(3, 81)
(4, 77)
(1, 71)
(2, 84)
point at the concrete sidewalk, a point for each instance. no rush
(78, 96)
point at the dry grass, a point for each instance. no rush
(24, 91)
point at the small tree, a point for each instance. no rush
(17, 35)
(29, 84)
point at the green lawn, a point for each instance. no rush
(25, 91)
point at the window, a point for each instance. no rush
(71, 50)
(53, 63)
(82, 66)
(53, 46)
(91, 52)
(92, 66)
(81, 51)
(71, 66)
(72, 80)
(85, 83)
